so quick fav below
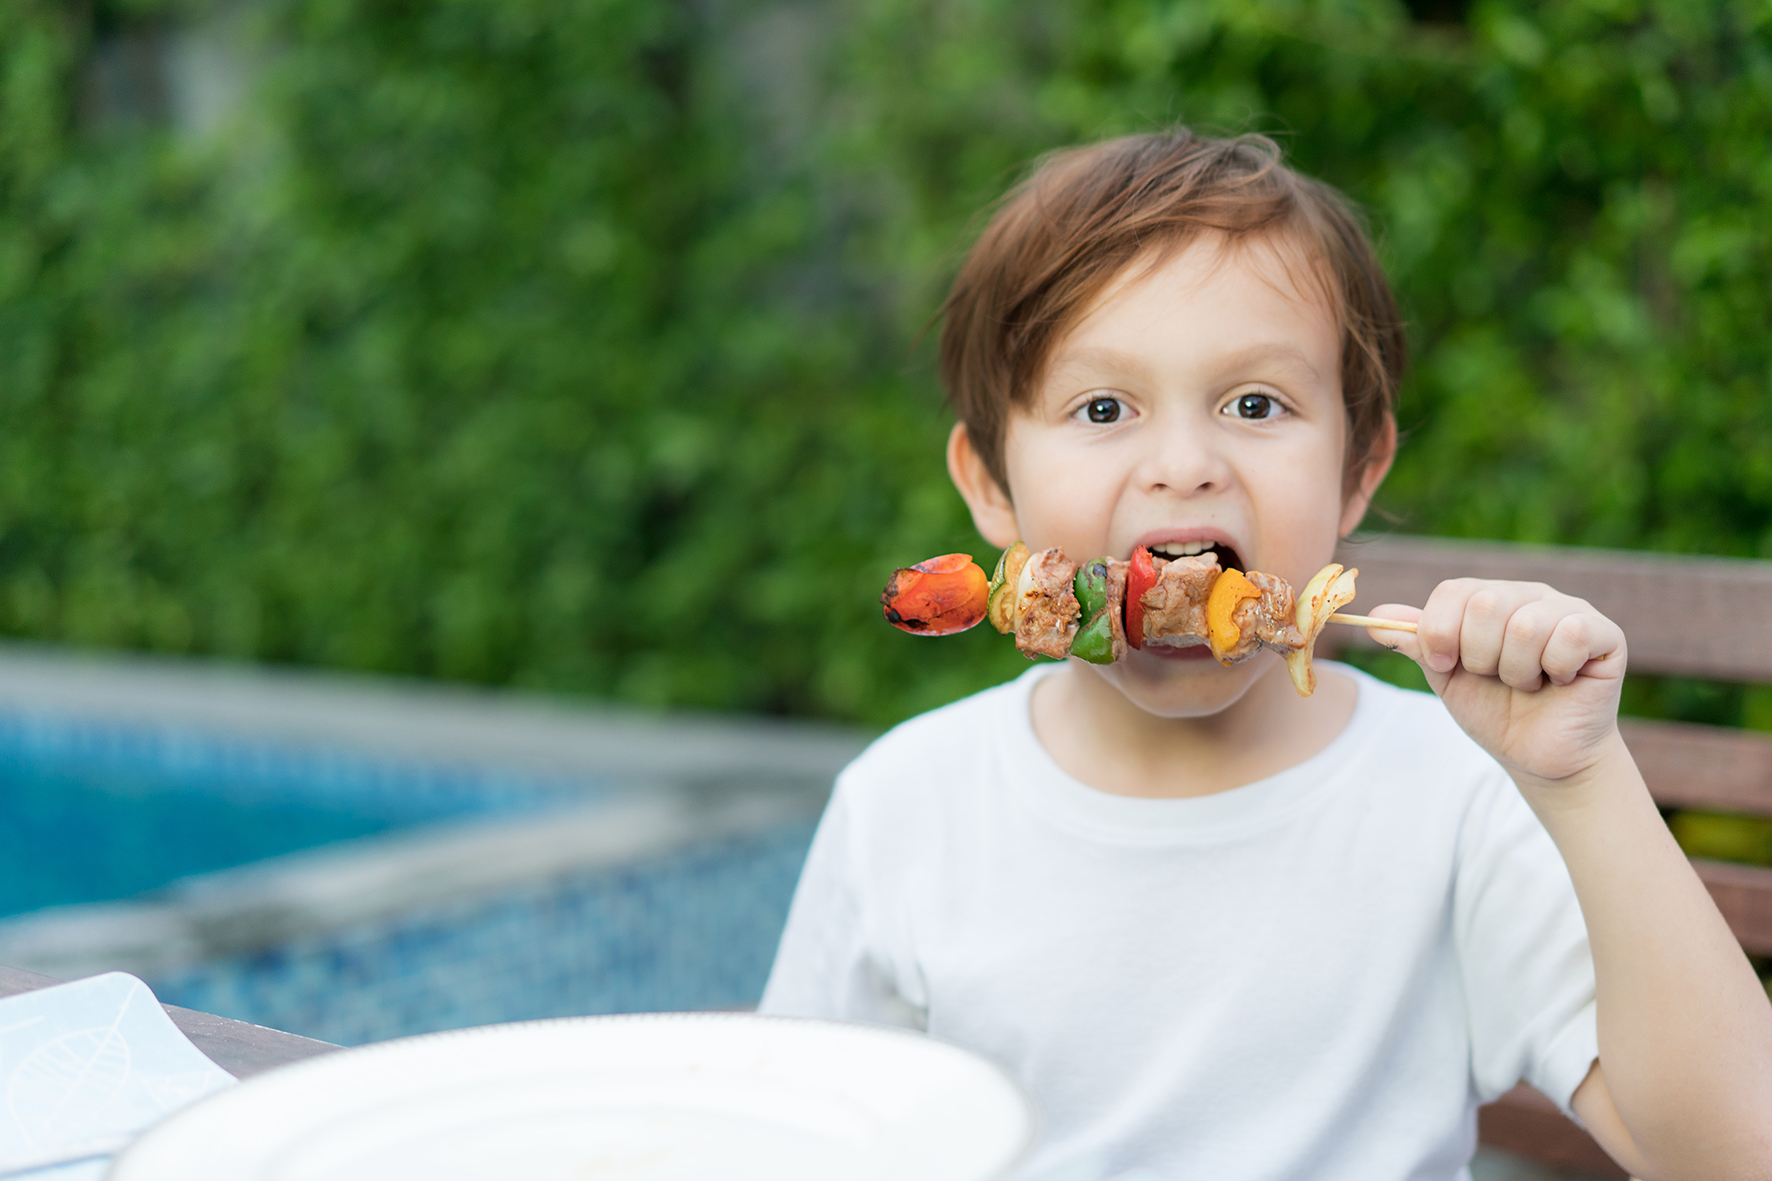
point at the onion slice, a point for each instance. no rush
(1328, 591)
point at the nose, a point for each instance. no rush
(1183, 458)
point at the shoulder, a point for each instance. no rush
(930, 753)
(1410, 733)
(1445, 801)
(960, 730)
(1412, 720)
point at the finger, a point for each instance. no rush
(1483, 631)
(1584, 642)
(1528, 631)
(1396, 641)
(1406, 643)
(1442, 618)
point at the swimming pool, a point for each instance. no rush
(354, 862)
(91, 810)
(692, 929)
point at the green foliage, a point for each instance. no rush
(574, 343)
(1722, 837)
(1571, 200)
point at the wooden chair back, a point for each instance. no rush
(1682, 615)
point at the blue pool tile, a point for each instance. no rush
(692, 930)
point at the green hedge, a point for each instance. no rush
(574, 343)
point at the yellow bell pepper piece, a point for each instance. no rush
(1230, 589)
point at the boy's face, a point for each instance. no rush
(1196, 401)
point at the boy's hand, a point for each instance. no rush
(1532, 674)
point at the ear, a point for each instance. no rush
(992, 511)
(1377, 466)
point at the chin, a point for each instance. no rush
(1180, 684)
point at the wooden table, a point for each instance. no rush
(240, 1049)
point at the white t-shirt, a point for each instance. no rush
(1318, 975)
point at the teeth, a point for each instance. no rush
(1181, 549)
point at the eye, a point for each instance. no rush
(1103, 410)
(1255, 407)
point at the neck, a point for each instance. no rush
(1101, 738)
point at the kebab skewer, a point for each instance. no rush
(1098, 610)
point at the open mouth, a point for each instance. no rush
(1227, 557)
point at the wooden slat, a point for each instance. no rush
(16, 980)
(1683, 614)
(1525, 1122)
(1693, 766)
(1744, 894)
(237, 1047)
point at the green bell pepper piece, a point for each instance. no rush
(1094, 641)
(1091, 587)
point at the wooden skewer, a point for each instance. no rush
(1396, 625)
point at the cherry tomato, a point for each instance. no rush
(938, 597)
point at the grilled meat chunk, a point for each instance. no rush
(1244, 615)
(1116, 604)
(1275, 618)
(1046, 605)
(1175, 608)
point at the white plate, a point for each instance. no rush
(652, 1097)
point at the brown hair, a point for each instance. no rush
(1085, 214)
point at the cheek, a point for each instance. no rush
(1061, 498)
(1303, 496)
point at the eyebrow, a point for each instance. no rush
(1099, 358)
(1280, 351)
(1113, 359)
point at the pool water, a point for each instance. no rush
(95, 811)
(98, 810)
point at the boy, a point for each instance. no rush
(1219, 930)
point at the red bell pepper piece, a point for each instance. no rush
(1140, 577)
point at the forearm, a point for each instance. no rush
(1685, 1028)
